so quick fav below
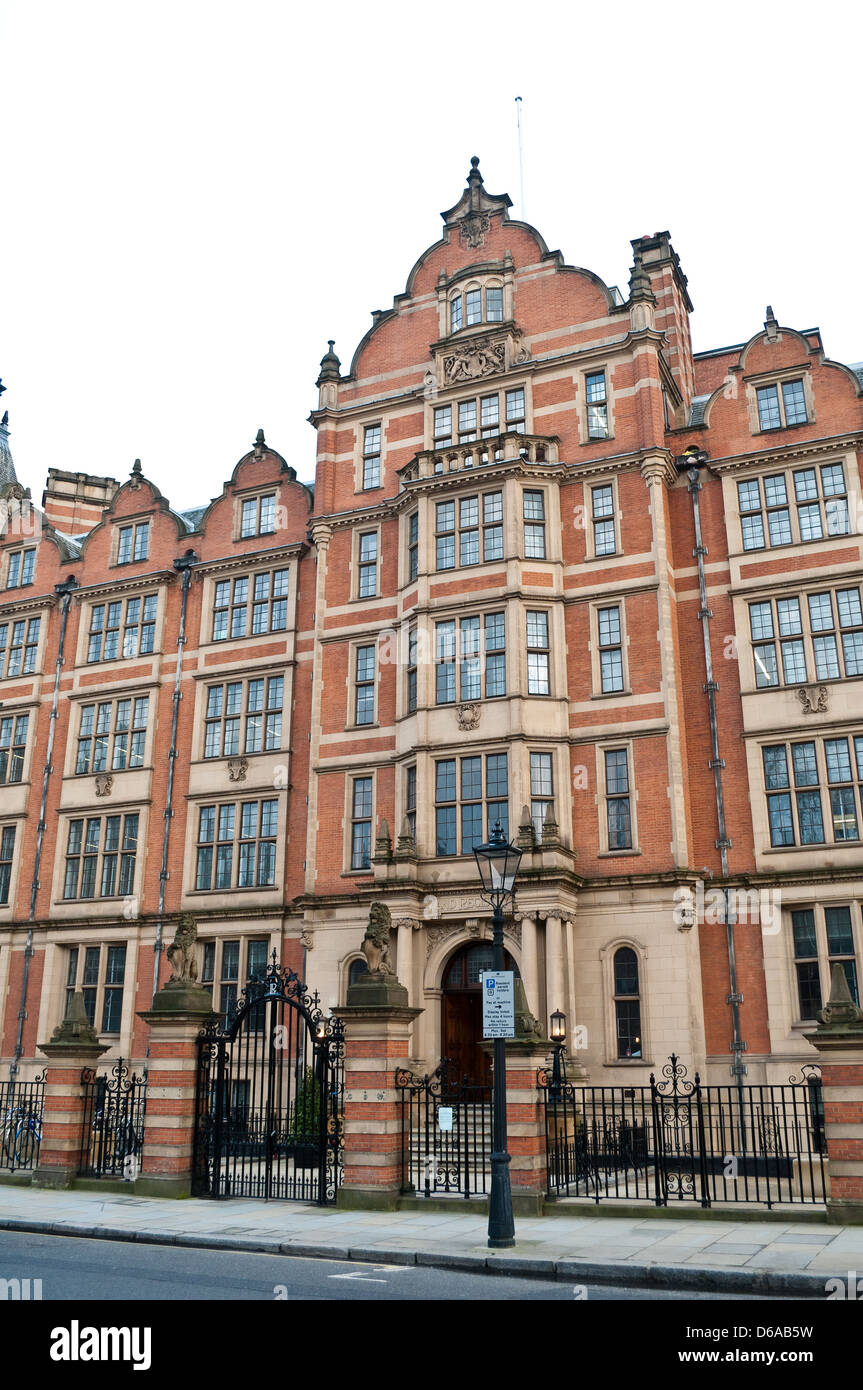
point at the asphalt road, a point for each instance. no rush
(77, 1270)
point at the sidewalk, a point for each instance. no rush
(725, 1255)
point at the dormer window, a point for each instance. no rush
(133, 543)
(22, 565)
(258, 516)
(474, 305)
(776, 412)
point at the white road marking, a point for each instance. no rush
(364, 1277)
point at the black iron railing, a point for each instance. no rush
(676, 1140)
(446, 1132)
(21, 1106)
(113, 1126)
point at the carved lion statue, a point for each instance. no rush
(376, 942)
(181, 952)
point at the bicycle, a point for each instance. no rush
(22, 1136)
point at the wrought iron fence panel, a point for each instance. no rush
(113, 1124)
(270, 1097)
(679, 1141)
(21, 1107)
(448, 1161)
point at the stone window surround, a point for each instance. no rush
(817, 905)
(108, 906)
(122, 523)
(353, 645)
(583, 372)
(239, 567)
(89, 598)
(609, 745)
(479, 275)
(590, 484)
(802, 372)
(248, 494)
(348, 818)
(606, 956)
(469, 391)
(610, 601)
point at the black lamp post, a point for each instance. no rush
(498, 863)
(558, 1037)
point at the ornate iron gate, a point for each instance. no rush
(113, 1122)
(449, 1158)
(676, 1140)
(269, 1120)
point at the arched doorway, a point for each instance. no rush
(461, 1005)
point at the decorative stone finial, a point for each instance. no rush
(840, 1011)
(136, 468)
(549, 826)
(525, 829)
(406, 846)
(76, 1028)
(383, 843)
(330, 364)
(771, 327)
(639, 282)
(2, 387)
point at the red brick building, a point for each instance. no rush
(505, 598)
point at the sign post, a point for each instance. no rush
(498, 1004)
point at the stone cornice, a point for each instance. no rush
(30, 606)
(251, 560)
(790, 453)
(121, 586)
(620, 463)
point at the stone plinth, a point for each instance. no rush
(73, 1046)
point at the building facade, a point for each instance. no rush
(556, 571)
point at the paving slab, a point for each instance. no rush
(762, 1256)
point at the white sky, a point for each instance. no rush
(195, 196)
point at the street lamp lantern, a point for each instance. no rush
(558, 1071)
(498, 863)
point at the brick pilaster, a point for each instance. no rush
(169, 1119)
(377, 1043)
(839, 1042)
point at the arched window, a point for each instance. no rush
(494, 303)
(467, 965)
(356, 970)
(627, 1003)
(477, 303)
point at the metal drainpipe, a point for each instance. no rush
(64, 591)
(183, 566)
(692, 462)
